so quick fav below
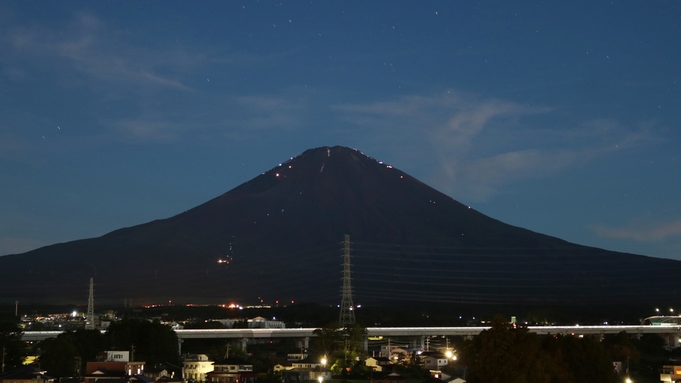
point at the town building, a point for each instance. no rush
(308, 369)
(260, 322)
(433, 360)
(232, 370)
(116, 367)
(379, 363)
(155, 372)
(670, 374)
(196, 367)
(385, 377)
(25, 374)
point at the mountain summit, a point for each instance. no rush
(278, 237)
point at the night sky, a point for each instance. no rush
(559, 117)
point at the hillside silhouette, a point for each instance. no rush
(278, 237)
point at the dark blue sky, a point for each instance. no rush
(560, 117)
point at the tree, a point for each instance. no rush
(153, 342)
(66, 354)
(10, 342)
(491, 357)
(413, 368)
(59, 356)
(586, 360)
(88, 343)
(508, 354)
(327, 339)
(355, 336)
(621, 348)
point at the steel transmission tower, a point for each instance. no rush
(90, 320)
(347, 311)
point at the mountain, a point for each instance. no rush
(278, 237)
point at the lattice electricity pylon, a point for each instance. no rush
(347, 309)
(90, 319)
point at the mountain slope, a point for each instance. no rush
(278, 237)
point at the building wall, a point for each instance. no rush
(196, 367)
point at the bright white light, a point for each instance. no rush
(74, 314)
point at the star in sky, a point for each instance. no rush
(560, 118)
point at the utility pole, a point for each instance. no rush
(90, 319)
(347, 313)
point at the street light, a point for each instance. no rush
(324, 361)
(628, 381)
(320, 379)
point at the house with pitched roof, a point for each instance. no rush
(25, 374)
(232, 370)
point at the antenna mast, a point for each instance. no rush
(90, 320)
(347, 313)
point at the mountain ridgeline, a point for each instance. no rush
(278, 237)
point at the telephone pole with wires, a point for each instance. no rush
(347, 309)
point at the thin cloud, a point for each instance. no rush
(485, 176)
(98, 51)
(643, 233)
(481, 144)
(148, 129)
(234, 118)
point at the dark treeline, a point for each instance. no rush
(370, 315)
(387, 315)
